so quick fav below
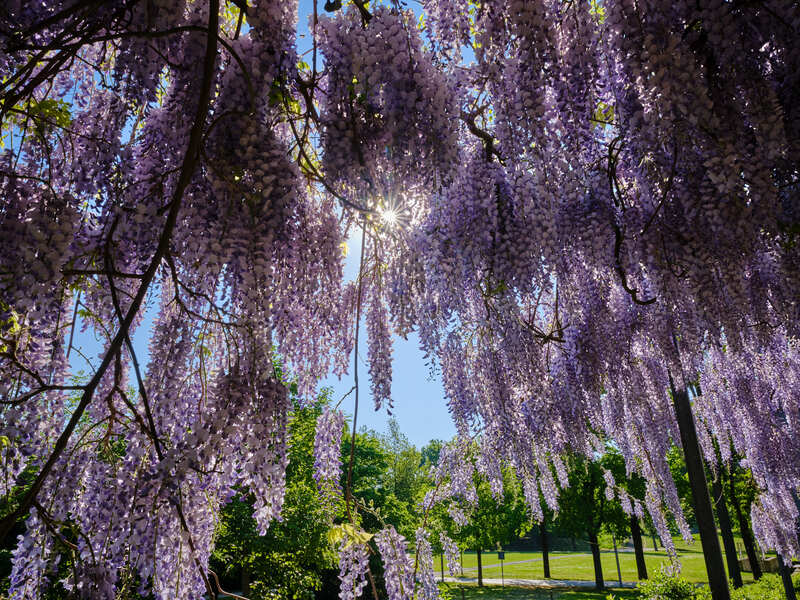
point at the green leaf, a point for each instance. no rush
(347, 533)
(603, 113)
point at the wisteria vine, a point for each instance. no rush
(572, 204)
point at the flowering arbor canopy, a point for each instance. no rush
(577, 205)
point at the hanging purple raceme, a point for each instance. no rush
(426, 578)
(327, 450)
(379, 352)
(353, 565)
(398, 568)
(451, 553)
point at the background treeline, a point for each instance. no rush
(297, 558)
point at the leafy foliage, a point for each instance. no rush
(669, 586)
(289, 560)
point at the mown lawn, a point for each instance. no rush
(496, 592)
(578, 565)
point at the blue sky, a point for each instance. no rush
(419, 404)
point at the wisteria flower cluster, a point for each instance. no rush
(353, 565)
(397, 565)
(327, 453)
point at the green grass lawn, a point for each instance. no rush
(571, 565)
(496, 592)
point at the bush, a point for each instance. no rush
(670, 586)
(667, 586)
(769, 587)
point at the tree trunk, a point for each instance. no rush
(598, 566)
(786, 577)
(616, 558)
(655, 544)
(545, 549)
(744, 528)
(638, 547)
(441, 564)
(712, 552)
(245, 581)
(725, 530)
(480, 570)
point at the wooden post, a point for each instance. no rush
(638, 547)
(725, 528)
(786, 577)
(712, 552)
(545, 549)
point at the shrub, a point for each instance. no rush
(670, 586)
(769, 587)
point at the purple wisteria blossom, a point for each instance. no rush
(398, 566)
(353, 565)
(327, 450)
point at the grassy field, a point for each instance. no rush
(495, 592)
(573, 565)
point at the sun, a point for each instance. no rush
(389, 216)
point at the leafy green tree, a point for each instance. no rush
(585, 508)
(491, 523)
(742, 491)
(373, 485)
(635, 486)
(430, 453)
(404, 477)
(290, 560)
(677, 467)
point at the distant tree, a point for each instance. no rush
(493, 521)
(585, 507)
(742, 493)
(382, 481)
(677, 467)
(404, 477)
(430, 453)
(635, 486)
(544, 535)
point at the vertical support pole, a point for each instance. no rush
(786, 578)
(712, 552)
(638, 548)
(725, 528)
